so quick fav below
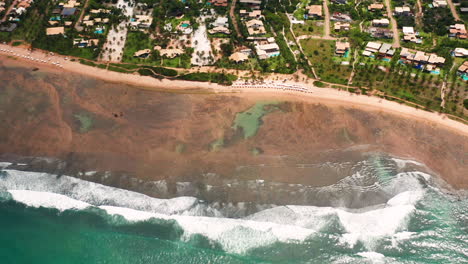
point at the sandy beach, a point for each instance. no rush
(315, 94)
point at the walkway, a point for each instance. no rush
(396, 35)
(419, 14)
(327, 19)
(78, 26)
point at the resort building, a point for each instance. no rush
(222, 30)
(423, 61)
(169, 53)
(314, 11)
(267, 49)
(142, 53)
(85, 43)
(141, 21)
(239, 57)
(382, 50)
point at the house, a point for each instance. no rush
(218, 2)
(238, 57)
(83, 43)
(8, 27)
(460, 52)
(386, 50)
(254, 14)
(463, 10)
(371, 48)
(142, 53)
(402, 11)
(341, 48)
(184, 27)
(341, 17)
(424, 61)
(221, 22)
(169, 53)
(314, 11)
(383, 22)
(410, 35)
(375, 7)
(341, 26)
(222, 30)
(380, 32)
(255, 27)
(439, 3)
(141, 21)
(55, 31)
(458, 31)
(68, 11)
(266, 51)
(254, 4)
(463, 71)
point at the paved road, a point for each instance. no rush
(396, 35)
(78, 26)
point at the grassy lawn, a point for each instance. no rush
(321, 55)
(311, 27)
(137, 41)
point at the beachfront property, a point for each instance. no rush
(169, 53)
(460, 53)
(52, 31)
(458, 31)
(410, 35)
(143, 54)
(239, 57)
(341, 48)
(267, 49)
(377, 49)
(17, 12)
(462, 71)
(429, 62)
(313, 12)
(85, 43)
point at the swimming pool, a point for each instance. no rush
(185, 25)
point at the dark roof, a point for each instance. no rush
(56, 11)
(68, 11)
(8, 27)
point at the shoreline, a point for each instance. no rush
(314, 94)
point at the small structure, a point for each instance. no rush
(55, 31)
(255, 27)
(222, 30)
(410, 35)
(371, 48)
(383, 22)
(375, 7)
(142, 53)
(140, 21)
(68, 11)
(169, 53)
(266, 51)
(337, 16)
(424, 61)
(239, 57)
(218, 2)
(378, 32)
(314, 11)
(341, 48)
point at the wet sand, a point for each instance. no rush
(156, 135)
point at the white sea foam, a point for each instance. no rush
(47, 200)
(375, 257)
(4, 164)
(401, 163)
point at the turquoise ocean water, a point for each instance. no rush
(46, 218)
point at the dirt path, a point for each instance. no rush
(78, 26)
(454, 10)
(315, 37)
(8, 11)
(327, 19)
(396, 36)
(419, 14)
(232, 14)
(443, 89)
